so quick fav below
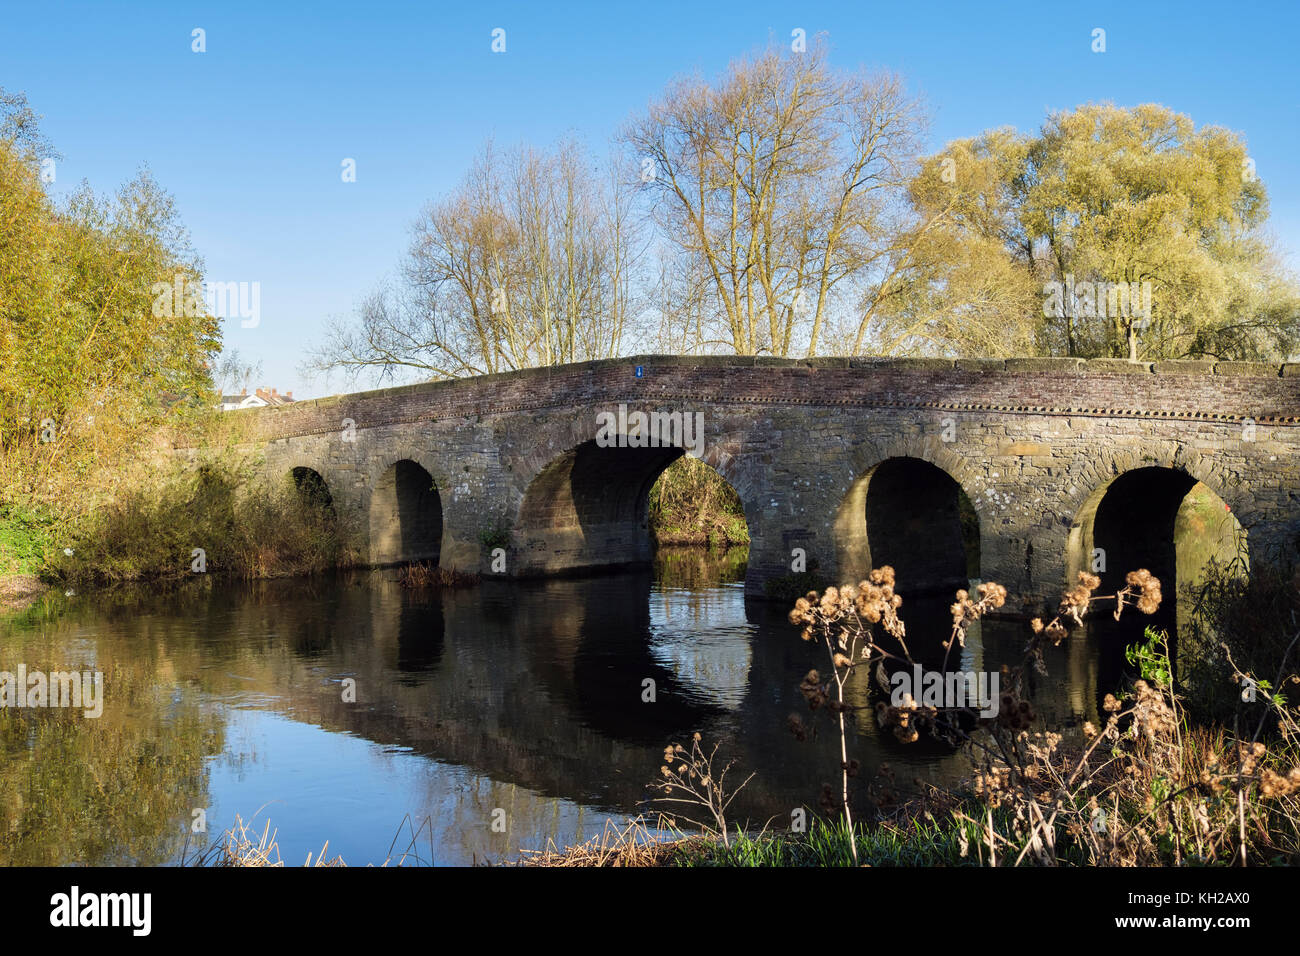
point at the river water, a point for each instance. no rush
(482, 722)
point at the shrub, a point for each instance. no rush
(247, 527)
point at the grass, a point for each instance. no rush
(26, 537)
(827, 845)
(633, 844)
(636, 844)
(241, 846)
(422, 575)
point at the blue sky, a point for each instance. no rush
(249, 136)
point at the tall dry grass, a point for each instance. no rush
(1149, 787)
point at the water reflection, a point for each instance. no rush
(529, 698)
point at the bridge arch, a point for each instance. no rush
(587, 505)
(405, 515)
(909, 508)
(1164, 518)
(312, 487)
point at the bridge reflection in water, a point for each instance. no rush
(526, 697)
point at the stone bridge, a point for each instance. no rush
(1022, 471)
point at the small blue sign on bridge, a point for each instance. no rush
(640, 371)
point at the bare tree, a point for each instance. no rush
(530, 261)
(784, 185)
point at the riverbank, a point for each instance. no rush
(174, 519)
(18, 592)
(825, 845)
(634, 845)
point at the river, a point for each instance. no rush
(487, 720)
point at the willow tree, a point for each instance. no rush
(780, 187)
(969, 292)
(1141, 234)
(88, 366)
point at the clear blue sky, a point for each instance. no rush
(249, 136)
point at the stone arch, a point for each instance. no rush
(720, 452)
(312, 486)
(908, 506)
(1087, 480)
(586, 505)
(1159, 517)
(1168, 519)
(405, 514)
(1182, 467)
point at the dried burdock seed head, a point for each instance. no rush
(1148, 587)
(1273, 784)
(1077, 596)
(802, 612)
